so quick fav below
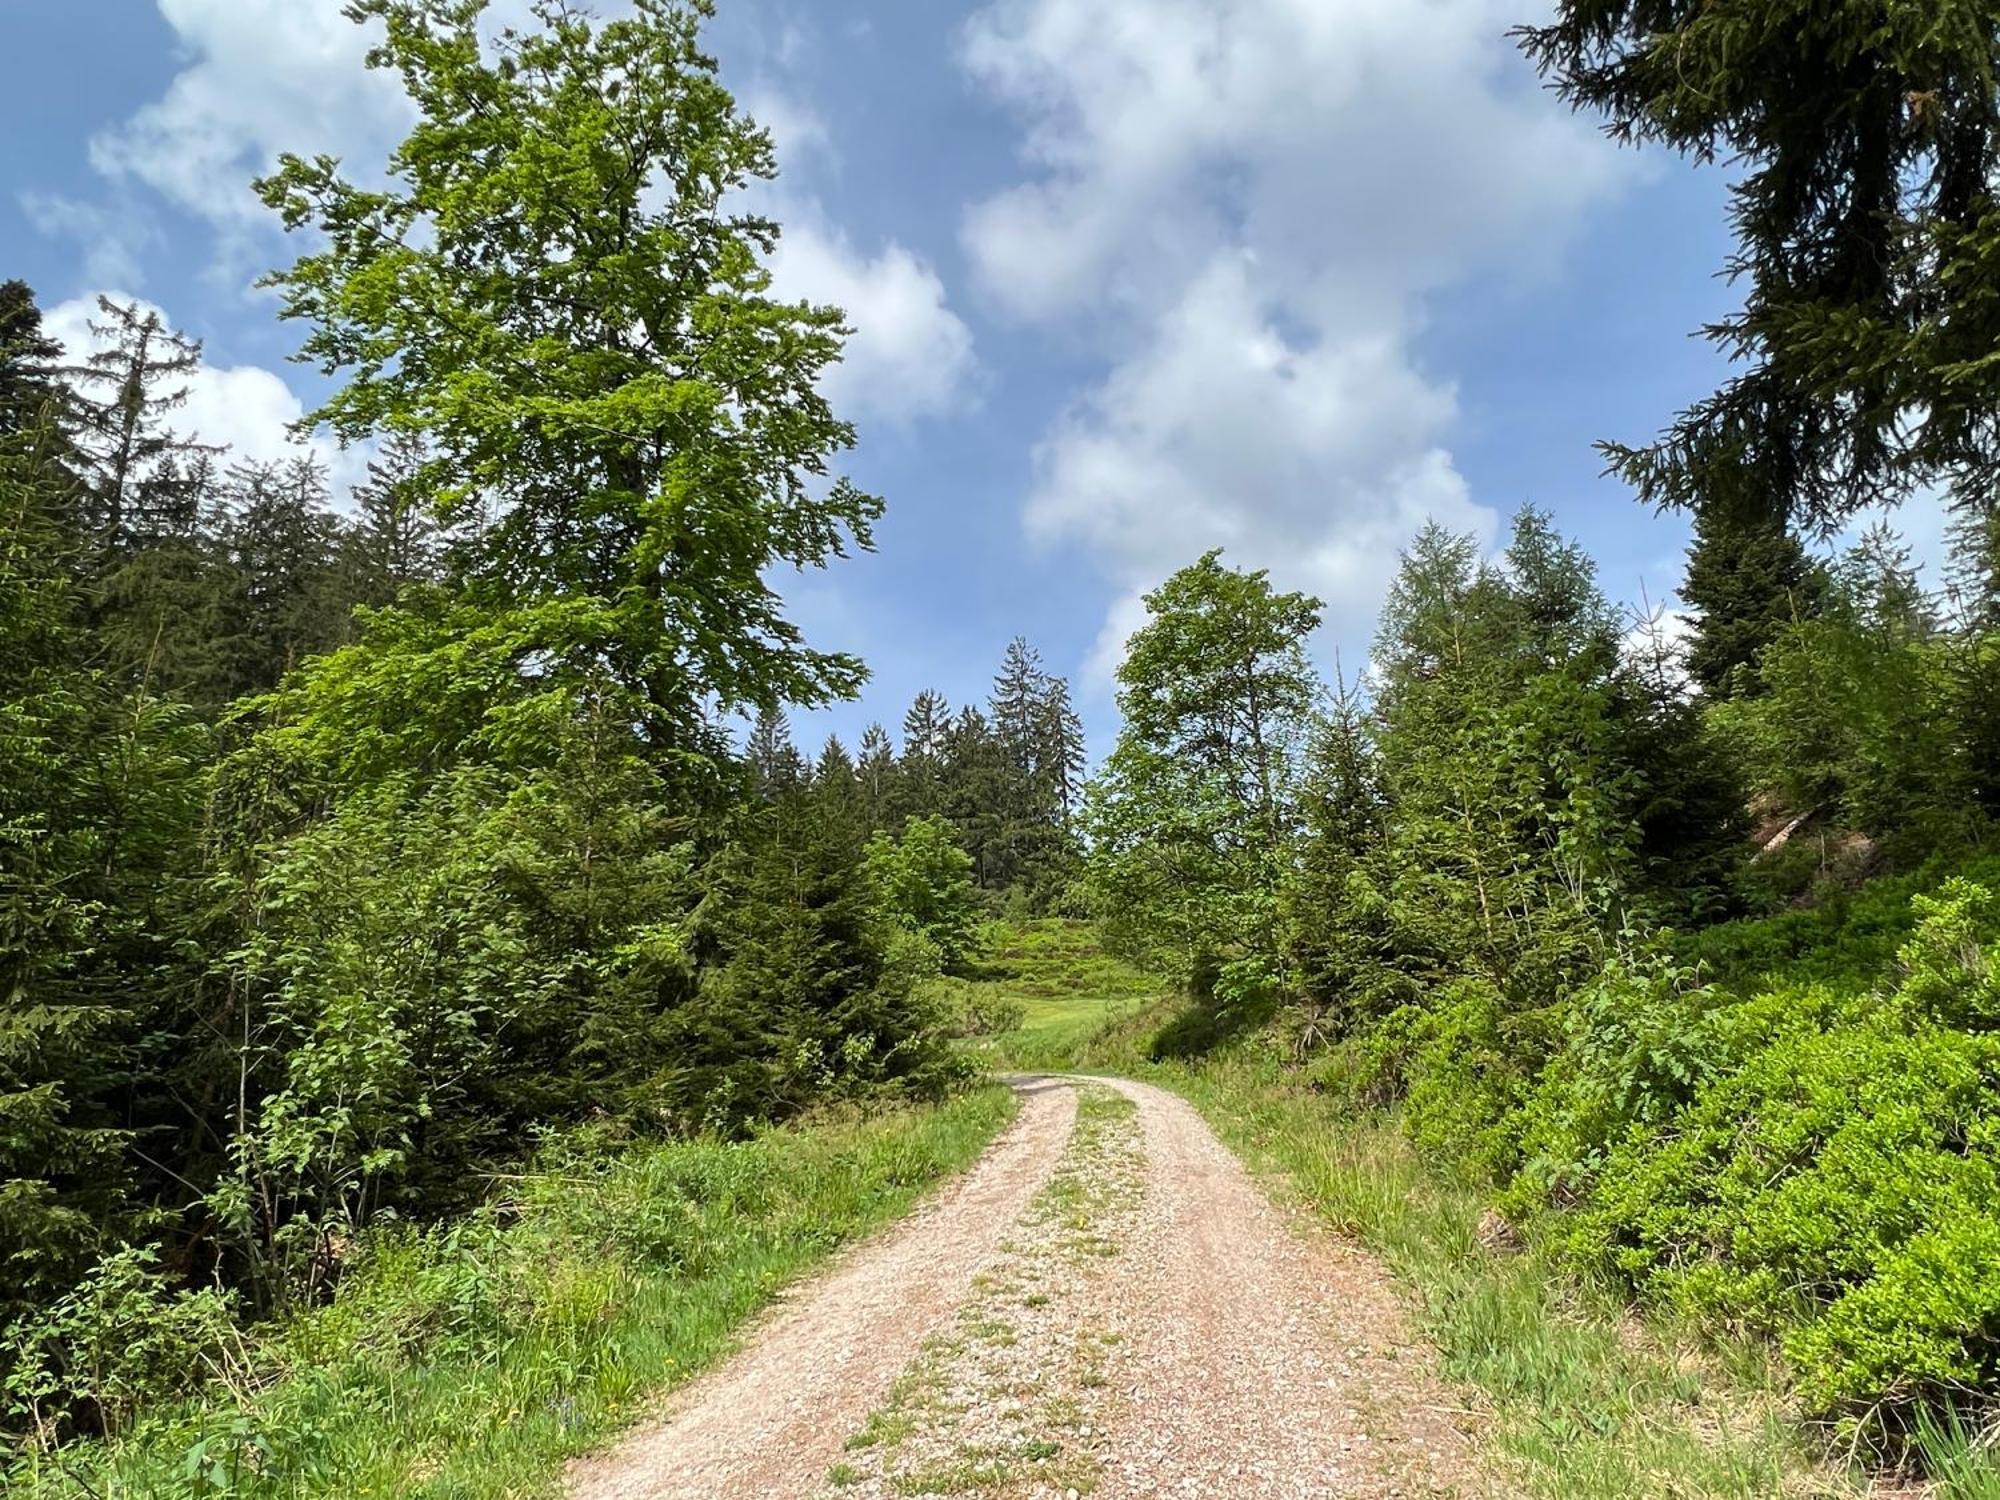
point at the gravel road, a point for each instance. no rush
(1105, 1305)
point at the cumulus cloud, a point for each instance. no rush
(114, 240)
(1246, 203)
(261, 77)
(910, 355)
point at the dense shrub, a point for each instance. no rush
(1819, 1166)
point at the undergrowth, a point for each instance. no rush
(469, 1360)
(1579, 1397)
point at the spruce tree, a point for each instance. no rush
(282, 541)
(397, 539)
(1748, 577)
(921, 769)
(142, 479)
(877, 773)
(1863, 140)
(28, 359)
(776, 767)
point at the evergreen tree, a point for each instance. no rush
(1866, 139)
(142, 478)
(776, 767)
(975, 795)
(396, 540)
(28, 360)
(1040, 743)
(1748, 577)
(921, 769)
(282, 542)
(99, 814)
(836, 789)
(1973, 588)
(877, 772)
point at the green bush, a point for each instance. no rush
(1835, 1181)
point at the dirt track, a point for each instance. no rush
(1109, 1307)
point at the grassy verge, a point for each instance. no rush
(1067, 990)
(471, 1361)
(1577, 1396)
(1580, 1399)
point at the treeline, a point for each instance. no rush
(1008, 779)
(344, 856)
(1685, 945)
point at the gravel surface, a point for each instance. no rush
(1114, 1311)
(769, 1422)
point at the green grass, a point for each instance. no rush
(1576, 1397)
(471, 1361)
(1579, 1398)
(1069, 988)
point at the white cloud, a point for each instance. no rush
(262, 77)
(114, 240)
(1246, 204)
(246, 407)
(910, 354)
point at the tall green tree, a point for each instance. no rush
(875, 769)
(1748, 577)
(397, 539)
(141, 477)
(1865, 137)
(559, 287)
(1193, 819)
(28, 359)
(926, 728)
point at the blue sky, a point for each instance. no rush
(1132, 278)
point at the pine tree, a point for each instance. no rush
(28, 360)
(142, 478)
(1864, 140)
(877, 771)
(1973, 588)
(836, 789)
(282, 541)
(1061, 759)
(99, 814)
(1040, 743)
(776, 767)
(1748, 577)
(921, 769)
(396, 540)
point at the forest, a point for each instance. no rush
(358, 850)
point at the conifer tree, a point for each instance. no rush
(776, 767)
(1748, 577)
(877, 773)
(836, 789)
(142, 478)
(1865, 140)
(396, 540)
(920, 772)
(282, 542)
(28, 359)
